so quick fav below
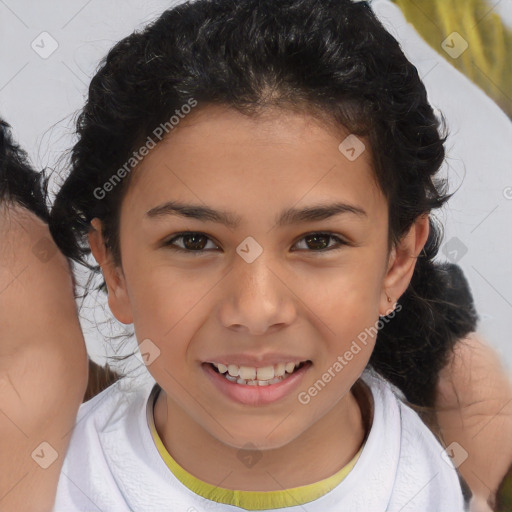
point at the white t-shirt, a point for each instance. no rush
(117, 463)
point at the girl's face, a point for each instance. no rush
(262, 289)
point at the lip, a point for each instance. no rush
(255, 395)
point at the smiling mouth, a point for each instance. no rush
(255, 382)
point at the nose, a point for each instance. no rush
(258, 299)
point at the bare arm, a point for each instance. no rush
(474, 409)
(43, 361)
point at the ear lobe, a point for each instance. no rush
(403, 260)
(118, 299)
(119, 304)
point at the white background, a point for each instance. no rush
(40, 96)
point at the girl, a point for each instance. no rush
(255, 180)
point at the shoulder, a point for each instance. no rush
(109, 409)
(106, 439)
(424, 476)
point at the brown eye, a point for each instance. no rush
(319, 242)
(192, 242)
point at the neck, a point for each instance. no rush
(327, 446)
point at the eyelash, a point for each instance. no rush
(170, 242)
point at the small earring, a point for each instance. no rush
(389, 300)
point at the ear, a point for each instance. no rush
(402, 262)
(118, 299)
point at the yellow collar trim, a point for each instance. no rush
(248, 500)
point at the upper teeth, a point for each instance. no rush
(251, 373)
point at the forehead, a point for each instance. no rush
(217, 154)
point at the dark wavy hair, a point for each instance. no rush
(329, 58)
(19, 183)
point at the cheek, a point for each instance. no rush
(349, 344)
(346, 311)
(349, 294)
(168, 306)
(162, 302)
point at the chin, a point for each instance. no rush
(257, 439)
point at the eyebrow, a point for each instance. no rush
(286, 217)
